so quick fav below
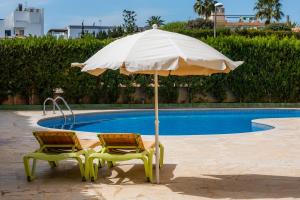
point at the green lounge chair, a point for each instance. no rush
(121, 147)
(56, 146)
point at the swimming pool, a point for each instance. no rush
(173, 122)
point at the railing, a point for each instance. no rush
(55, 105)
(66, 104)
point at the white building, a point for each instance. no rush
(235, 21)
(58, 33)
(220, 16)
(1, 29)
(75, 31)
(23, 22)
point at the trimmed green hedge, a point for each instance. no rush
(38, 65)
(271, 72)
(204, 33)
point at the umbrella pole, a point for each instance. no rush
(156, 127)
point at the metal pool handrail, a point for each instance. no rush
(66, 104)
(54, 105)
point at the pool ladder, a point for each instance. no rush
(55, 105)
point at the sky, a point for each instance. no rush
(61, 13)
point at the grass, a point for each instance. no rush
(145, 106)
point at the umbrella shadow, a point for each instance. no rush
(135, 175)
(248, 186)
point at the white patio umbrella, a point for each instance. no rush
(158, 52)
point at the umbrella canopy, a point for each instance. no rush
(162, 53)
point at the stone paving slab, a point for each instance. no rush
(262, 165)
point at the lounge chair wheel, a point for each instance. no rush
(92, 179)
(29, 179)
(83, 179)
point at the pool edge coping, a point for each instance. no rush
(36, 116)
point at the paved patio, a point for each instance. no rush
(246, 166)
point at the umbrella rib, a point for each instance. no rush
(141, 34)
(182, 55)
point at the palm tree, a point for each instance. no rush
(204, 7)
(268, 10)
(155, 20)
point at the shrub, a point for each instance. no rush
(203, 33)
(278, 27)
(175, 26)
(200, 24)
(271, 72)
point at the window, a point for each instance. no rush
(19, 31)
(7, 33)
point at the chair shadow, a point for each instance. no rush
(248, 186)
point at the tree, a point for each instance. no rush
(200, 24)
(204, 8)
(268, 10)
(155, 20)
(129, 21)
(101, 35)
(82, 29)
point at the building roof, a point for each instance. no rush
(91, 27)
(296, 29)
(241, 24)
(57, 30)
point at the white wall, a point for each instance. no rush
(1, 28)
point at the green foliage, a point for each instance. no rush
(182, 27)
(271, 72)
(116, 32)
(129, 21)
(200, 24)
(204, 7)
(268, 10)
(278, 27)
(39, 65)
(175, 26)
(155, 20)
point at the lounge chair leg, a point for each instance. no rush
(161, 156)
(101, 163)
(146, 166)
(33, 167)
(86, 167)
(81, 167)
(29, 172)
(96, 170)
(26, 167)
(92, 169)
(86, 170)
(150, 165)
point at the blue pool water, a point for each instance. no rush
(173, 122)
